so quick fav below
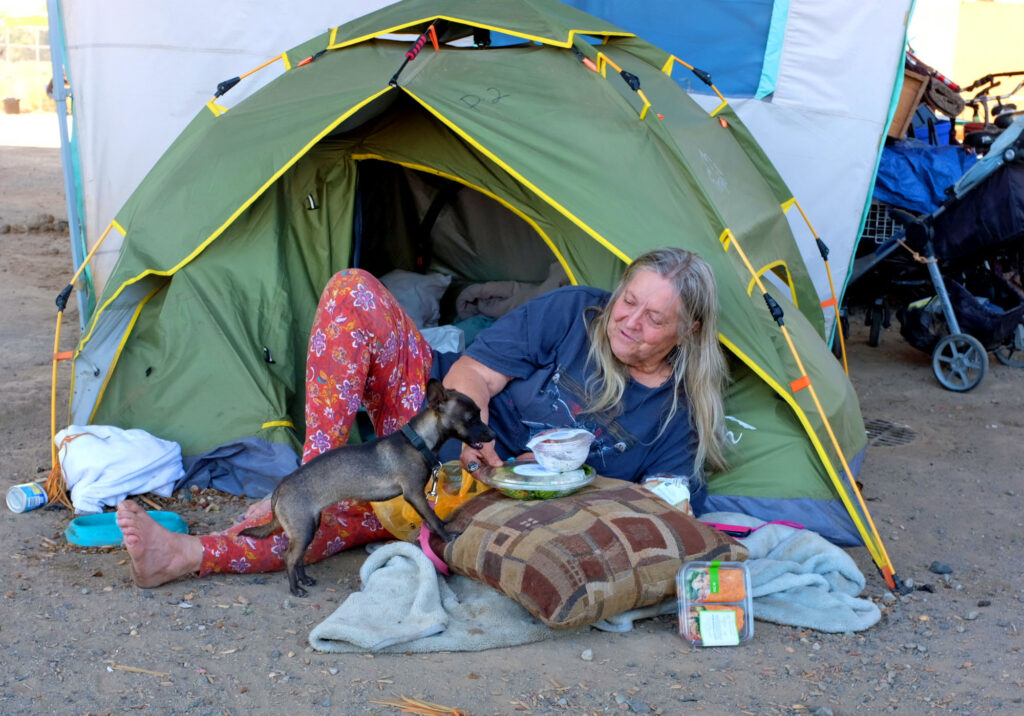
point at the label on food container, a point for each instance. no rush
(718, 628)
(674, 491)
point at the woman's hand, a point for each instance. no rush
(486, 455)
(480, 383)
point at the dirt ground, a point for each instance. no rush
(79, 637)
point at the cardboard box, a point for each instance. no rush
(914, 85)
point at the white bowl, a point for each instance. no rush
(561, 449)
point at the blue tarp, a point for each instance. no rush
(914, 176)
(728, 38)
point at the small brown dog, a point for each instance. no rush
(398, 464)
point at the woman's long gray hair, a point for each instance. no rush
(698, 366)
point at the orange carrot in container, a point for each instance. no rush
(700, 584)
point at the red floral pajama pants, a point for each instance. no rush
(364, 352)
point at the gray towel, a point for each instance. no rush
(406, 606)
(797, 578)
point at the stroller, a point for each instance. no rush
(975, 238)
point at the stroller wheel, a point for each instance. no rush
(1008, 355)
(959, 362)
(877, 319)
(875, 331)
(1012, 354)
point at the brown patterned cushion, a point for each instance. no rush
(572, 561)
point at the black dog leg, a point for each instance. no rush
(295, 554)
(420, 504)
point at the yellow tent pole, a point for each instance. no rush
(53, 392)
(878, 552)
(269, 62)
(834, 301)
(634, 83)
(228, 84)
(822, 248)
(56, 487)
(873, 541)
(701, 75)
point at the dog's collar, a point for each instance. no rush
(417, 442)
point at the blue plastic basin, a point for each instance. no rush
(102, 531)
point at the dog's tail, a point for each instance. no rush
(262, 531)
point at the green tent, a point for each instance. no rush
(565, 139)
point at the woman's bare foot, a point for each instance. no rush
(260, 511)
(158, 555)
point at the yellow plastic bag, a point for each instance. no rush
(454, 487)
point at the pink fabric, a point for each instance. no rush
(424, 540)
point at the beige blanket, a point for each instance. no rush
(496, 298)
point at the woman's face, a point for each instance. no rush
(644, 322)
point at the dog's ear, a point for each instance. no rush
(436, 393)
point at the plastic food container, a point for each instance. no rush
(673, 489)
(528, 480)
(561, 449)
(715, 607)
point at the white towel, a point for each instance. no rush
(103, 464)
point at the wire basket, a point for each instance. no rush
(879, 226)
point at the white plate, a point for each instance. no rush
(531, 476)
